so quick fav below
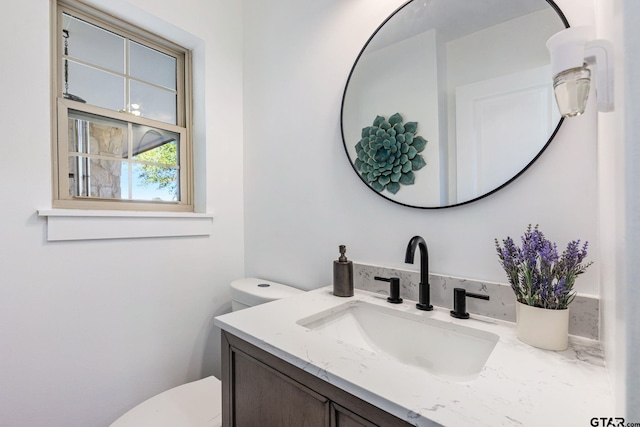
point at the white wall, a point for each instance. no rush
(302, 199)
(612, 226)
(619, 156)
(630, 289)
(630, 12)
(90, 329)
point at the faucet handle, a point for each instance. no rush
(460, 302)
(394, 290)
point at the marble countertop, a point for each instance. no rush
(519, 385)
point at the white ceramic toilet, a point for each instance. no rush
(199, 403)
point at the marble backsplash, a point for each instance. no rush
(584, 310)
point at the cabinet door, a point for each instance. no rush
(262, 390)
(342, 417)
(264, 397)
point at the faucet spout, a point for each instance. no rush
(424, 298)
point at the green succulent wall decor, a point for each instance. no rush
(389, 152)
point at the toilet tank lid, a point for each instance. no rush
(253, 291)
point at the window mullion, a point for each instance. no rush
(130, 160)
(127, 72)
(85, 172)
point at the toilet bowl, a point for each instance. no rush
(196, 404)
(199, 403)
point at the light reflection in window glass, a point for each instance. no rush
(154, 102)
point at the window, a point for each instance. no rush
(122, 138)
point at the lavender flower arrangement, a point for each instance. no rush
(538, 276)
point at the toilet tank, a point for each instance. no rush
(252, 291)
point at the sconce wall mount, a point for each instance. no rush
(574, 55)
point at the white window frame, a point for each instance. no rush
(61, 107)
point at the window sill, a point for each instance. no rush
(77, 224)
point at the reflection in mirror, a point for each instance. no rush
(474, 76)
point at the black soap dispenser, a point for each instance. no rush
(343, 275)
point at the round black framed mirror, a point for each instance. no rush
(451, 100)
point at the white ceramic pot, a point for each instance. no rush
(542, 328)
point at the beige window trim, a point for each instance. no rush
(61, 107)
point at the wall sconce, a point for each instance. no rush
(573, 51)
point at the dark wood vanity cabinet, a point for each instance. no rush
(262, 390)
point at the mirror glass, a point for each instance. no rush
(450, 100)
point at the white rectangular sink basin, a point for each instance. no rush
(440, 348)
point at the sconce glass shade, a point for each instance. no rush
(571, 50)
(571, 88)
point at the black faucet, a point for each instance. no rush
(424, 291)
